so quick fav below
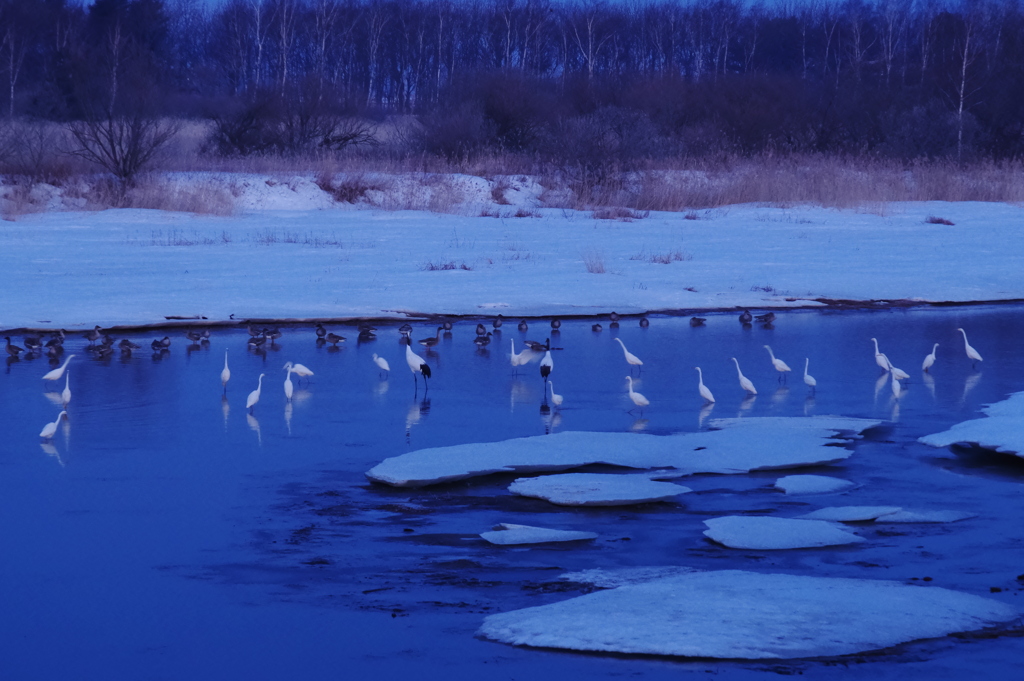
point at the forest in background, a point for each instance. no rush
(592, 88)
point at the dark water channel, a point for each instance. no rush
(164, 533)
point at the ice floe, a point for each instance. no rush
(850, 514)
(596, 489)
(509, 534)
(746, 615)
(770, 533)
(812, 484)
(925, 517)
(1002, 430)
(738, 446)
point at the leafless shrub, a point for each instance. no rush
(935, 220)
(526, 213)
(619, 213)
(498, 189)
(675, 255)
(121, 145)
(691, 215)
(32, 151)
(593, 261)
(348, 188)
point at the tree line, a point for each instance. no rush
(583, 79)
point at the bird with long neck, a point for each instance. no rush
(631, 359)
(881, 360)
(745, 382)
(779, 365)
(972, 354)
(417, 365)
(58, 372)
(225, 373)
(808, 379)
(703, 389)
(254, 396)
(929, 359)
(638, 399)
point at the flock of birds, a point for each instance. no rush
(418, 366)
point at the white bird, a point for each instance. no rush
(900, 374)
(299, 370)
(881, 360)
(381, 363)
(808, 379)
(288, 387)
(929, 360)
(254, 396)
(50, 428)
(638, 399)
(523, 358)
(555, 399)
(417, 365)
(225, 373)
(58, 372)
(631, 359)
(65, 395)
(779, 365)
(972, 354)
(745, 382)
(703, 389)
(546, 365)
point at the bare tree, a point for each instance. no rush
(123, 145)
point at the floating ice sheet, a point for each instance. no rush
(596, 489)
(508, 534)
(768, 533)
(746, 615)
(740, 446)
(850, 514)
(812, 484)
(1002, 430)
(925, 517)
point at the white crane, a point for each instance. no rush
(382, 364)
(745, 382)
(289, 389)
(638, 399)
(299, 370)
(881, 360)
(50, 428)
(65, 395)
(900, 374)
(703, 389)
(631, 359)
(808, 379)
(58, 372)
(546, 365)
(779, 365)
(225, 373)
(417, 365)
(555, 399)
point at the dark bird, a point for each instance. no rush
(614, 316)
(697, 321)
(320, 331)
(431, 341)
(746, 317)
(481, 330)
(597, 328)
(539, 347)
(193, 336)
(556, 324)
(161, 344)
(94, 335)
(12, 349)
(766, 318)
(33, 343)
(523, 325)
(447, 325)
(483, 340)
(497, 322)
(644, 323)
(334, 338)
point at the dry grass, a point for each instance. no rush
(935, 220)
(593, 261)
(675, 255)
(445, 265)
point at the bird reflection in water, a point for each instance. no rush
(746, 405)
(549, 418)
(50, 450)
(929, 383)
(780, 395)
(289, 408)
(254, 426)
(879, 384)
(639, 425)
(705, 411)
(417, 410)
(971, 381)
(809, 404)
(521, 392)
(225, 408)
(895, 415)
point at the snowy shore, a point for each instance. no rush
(290, 252)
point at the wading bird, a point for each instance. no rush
(703, 389)
(382, 364)
(779, 365)
(900, 374)
(746, 317)
(254, 396)
(289, 388)
(808, 379)
(58, 372)
(334, 338)
(929, 360)
(523, 326)
(225, 373)
(546, 365)
(12, 349)
(745, 382)
(631, 359)
(880, 359)
(972, 354)
(299, 370)
(417, 365)
(638, 399)
(431, 341)
(555, 399)
(697, 321)
(50, 428)
(65, 395)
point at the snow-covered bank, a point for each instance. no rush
(291, 256)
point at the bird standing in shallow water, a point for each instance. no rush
(382, 364)
(745, 382)
(746, 317)
(703, 389)
(638, 399)
(299, 370)
(58, 372)
(972, 354)
(523, 326)
(50, 428)
(881, 360)
(631, 359)
(546, 365)
(808, 379)
(929, 360)
(555, 399)
(644, 322)
(779, 365)
(65, 395)
(225, 373)
(12, 349)
(254, 396)
(417, 365)
(289, 388)
(334, 338)
(697, 321)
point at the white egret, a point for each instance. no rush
(631, 359)
(929, 360)
(58, 372)
(50, 428)
(254, 396)
(703, 389)
(638, 399)
(972, 354)
(546, 365)
(880, 359)
(900, 374)
(555, 399)
(808, 379)
(522, 358)
(417, 365)
(299, 370)
(225, 373)
(65, 395)
(288, 387)
(382, 364)
(779, 365)
(745, 382)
